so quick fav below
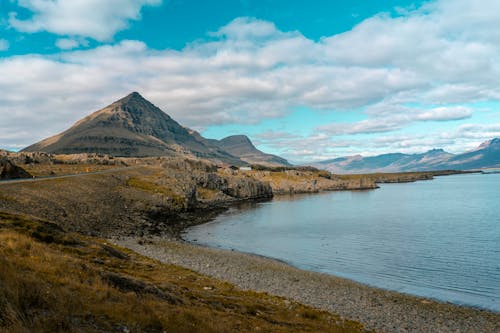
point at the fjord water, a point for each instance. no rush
(438, 239)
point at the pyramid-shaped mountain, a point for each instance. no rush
(131, 127)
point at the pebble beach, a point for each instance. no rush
(379, 310)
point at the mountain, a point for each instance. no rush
(487, 155)
(132, 126)
(242, 147)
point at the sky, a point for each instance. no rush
(308, 80)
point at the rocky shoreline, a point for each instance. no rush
(146, 205)
(377, 309)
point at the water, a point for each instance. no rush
(437, 239)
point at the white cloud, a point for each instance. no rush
(4, 45)
(69, 43)
(244, 28)
(445, 114)
(389, 118)
(368, 126)
(249, 71)
(97, 19)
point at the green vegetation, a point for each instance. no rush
(54, 281)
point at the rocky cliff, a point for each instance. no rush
(302, 181)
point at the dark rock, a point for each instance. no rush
(9, 170)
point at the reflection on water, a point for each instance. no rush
(439, 239)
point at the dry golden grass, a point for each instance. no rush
(52, 281)
(148, 185)
(45, 169)
(206, 193)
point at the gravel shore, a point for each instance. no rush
(381, 310)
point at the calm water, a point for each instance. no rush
(438, 239)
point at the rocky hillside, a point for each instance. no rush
(155, 195)
(242, 147)
(487, 155)
(152, 196)
(131, 126)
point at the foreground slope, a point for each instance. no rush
(131, 126)
(53, 281)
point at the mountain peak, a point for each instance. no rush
(131, 126)
(242, 147)
(435, 151)
(132, 98)
(238, 139)
(489, 143)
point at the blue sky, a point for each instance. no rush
(308, 80)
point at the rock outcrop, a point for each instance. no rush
(9, 170)
(298, 181)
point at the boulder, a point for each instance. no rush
(9, 170)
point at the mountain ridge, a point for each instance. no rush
(134, 127)
(486, 155)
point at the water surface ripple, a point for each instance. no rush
(437, 239)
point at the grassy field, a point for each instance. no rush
(43, 170)
(54, 281)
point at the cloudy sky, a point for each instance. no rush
(308, 80)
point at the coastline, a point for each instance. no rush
(377, 309)
(134, 202)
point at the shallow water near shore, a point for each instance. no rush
(438, 239)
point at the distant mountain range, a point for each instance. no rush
(487, 155)
(134, 127)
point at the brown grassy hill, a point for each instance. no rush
(54, 281)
